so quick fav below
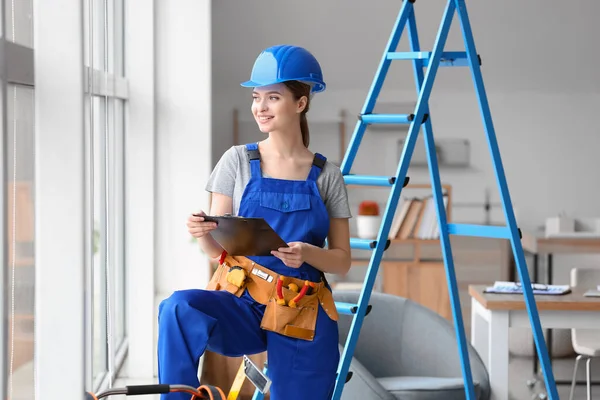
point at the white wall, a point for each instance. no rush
(59, 243)
(183, 87)
(168, 48)
(140, 187)
(529, 45)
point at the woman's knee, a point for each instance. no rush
(177, 299)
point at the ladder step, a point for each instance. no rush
(389, 118)
(366, 244)
(369, 180)
(350, 308)
(448, 59)
(499, 232)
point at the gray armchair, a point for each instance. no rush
(406, 351)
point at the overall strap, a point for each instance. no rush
(317, 166)
(254, 158)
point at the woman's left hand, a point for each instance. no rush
(292, 256)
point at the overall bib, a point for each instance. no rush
(191, 321)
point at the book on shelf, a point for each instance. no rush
(503, 287)
(416, 218)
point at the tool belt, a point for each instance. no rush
(292, 304)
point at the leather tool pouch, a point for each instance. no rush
(220, 281)
(297, 322)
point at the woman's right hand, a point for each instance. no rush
(197, 227)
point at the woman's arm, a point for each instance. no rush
(220, 205)
(335, 259)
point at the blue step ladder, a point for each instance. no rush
(421, 118)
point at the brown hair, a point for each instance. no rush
(300, 89)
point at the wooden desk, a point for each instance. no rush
(537, 246)
(492, 315)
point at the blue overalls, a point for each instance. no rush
(191, 321)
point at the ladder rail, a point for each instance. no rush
(507, 206)
(377, 254)
(438, 198)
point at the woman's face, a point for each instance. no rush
(275, 108)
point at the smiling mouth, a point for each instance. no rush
(264, 119)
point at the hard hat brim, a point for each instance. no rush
(316, 86)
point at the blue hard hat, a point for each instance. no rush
(286, 63)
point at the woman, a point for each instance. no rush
(304, 199)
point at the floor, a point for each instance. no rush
(520, 372)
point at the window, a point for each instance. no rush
(106, 94)
(104, 103)
(18, 165)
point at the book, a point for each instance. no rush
(516, 288)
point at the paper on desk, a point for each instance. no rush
(516, 288)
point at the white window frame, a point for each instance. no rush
(101, 83)
(61, 260)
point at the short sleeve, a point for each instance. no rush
(336, 194)
(222, 178)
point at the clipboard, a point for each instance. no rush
(242, 236)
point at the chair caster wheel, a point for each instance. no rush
(539, 396)
(531, 382)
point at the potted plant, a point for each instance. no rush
(368, 220)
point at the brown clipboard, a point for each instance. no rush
(242, 236)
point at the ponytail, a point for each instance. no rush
(300, 89)
(304, 129)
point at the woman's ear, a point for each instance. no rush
(302, 104)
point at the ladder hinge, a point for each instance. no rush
(520, 233)
(355, 309)
(411, 117)
(387, 244)
(479, 58)
(406, 180)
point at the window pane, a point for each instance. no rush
(99, 31)
(21, 260)
(99, 345)
(94, 30)
(19, 21)
(110, 35)
(117, 176)
(119, 38)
